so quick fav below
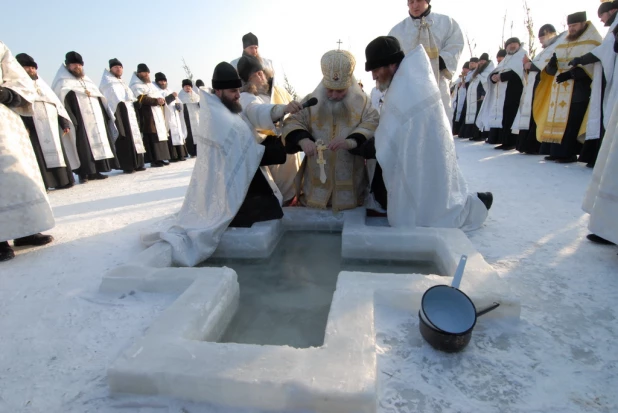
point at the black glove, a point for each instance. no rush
(553, 62)
(564, 76)
(576, 62)
(178, 107)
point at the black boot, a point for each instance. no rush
(36, 239)
(6, 252)
(598, 240)
(487, 198)
(83, 179)
(98, 175)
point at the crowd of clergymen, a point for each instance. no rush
(407, 174)
(554, 103)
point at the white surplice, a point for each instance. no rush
(441, 36)
(471, 93)
(46, 110)
(174, 118)
(88, 95)
(492, 109)
(221, 176)
(415, 148)
(24, 207)
(192, 102)
(140, 88)
(116, 91)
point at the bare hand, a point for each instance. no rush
(338, 144)
(65, 130)
(161, 101)
(495, 78)
(293, 107)
(527, 65)
(526, 59)
(308, 146)
(175, 94)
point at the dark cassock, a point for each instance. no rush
(476, 91)
(94, 123)
(501, 102)
(149, 107)
(459, 100)
(174, 120)
(129, 145)
(564, 93)
(191, 105)
(524, 121)
(51, 132)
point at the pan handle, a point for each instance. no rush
(487, 309)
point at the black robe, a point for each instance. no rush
(570, 146)
(60, 177)
(377, 187)
(156, 150)
(190, 142)
(260, 203)
(128, 158)
(514, 89)
(89, 166)
(527, 141)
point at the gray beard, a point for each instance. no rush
(383, 87)
(512, 53)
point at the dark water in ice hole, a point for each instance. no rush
(285, 299)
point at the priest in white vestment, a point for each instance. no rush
(129, 144)
(501, 102)
(601, 200)
(478, 84)
(230, 185)
(51, 132)
(24, 207)
(250, 46)
(94, 122)
(603, 86)
(415, 148)
(524, 125)
(174, 120)
(256, 90)
(150, 107)
(441, 38)
(331, 176)
(190, 99)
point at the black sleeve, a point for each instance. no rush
(441, 64)
(64, 123)
(588, 59)
(359, 138)
(490, 77)
(367, 150)
(169, 99)
(578, 73)
(11, 99)
(292, 139)
(274, 152)
(506, 76)
(533, 68)
(551, 70)
(70, 102)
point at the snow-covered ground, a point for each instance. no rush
(58, 334)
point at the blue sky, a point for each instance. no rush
(295, 34)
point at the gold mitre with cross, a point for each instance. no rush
(338, 69)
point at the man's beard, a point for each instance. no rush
(383, 86)
(577, 35)
(233, 106)
(145, 79)
(34, 77)
(513, 52)
(78, 73)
